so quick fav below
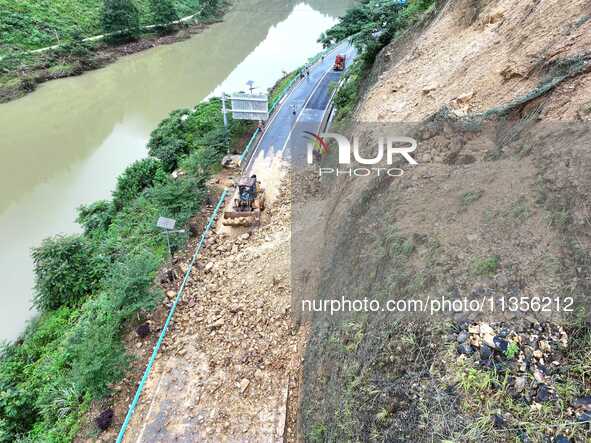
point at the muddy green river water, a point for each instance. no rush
(65, 144)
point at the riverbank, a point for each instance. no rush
(107, 297)
(22, 72)
(74, 351)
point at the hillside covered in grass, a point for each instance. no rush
(33, 24)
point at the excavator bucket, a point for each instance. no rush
(242, 218)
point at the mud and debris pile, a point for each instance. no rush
(527, 367)
(497, 206)
(227, 361)
(531, 356)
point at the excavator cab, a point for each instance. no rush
(247, 191)
(247, 204)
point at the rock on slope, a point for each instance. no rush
(498, 206)
(477, 54)
(231, 352)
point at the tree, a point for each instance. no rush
(138, 176)
(209, 9)
(122, 18)
(95, 217)
(168, 141)
(164, 13)
(66, 270)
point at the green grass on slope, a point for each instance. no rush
(32, 24)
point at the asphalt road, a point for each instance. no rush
(303, 108)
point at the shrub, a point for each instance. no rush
(163, 12)
(66, 270)
(17, 402)
(209, 8)
(137, 177)
(206, 117)
(122, 18)
(129, 286)
(167, 141)
(95, 348)
(95, 217)
(96, 353)
(178, 199)
(201, 162)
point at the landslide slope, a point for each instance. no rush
(500, 93)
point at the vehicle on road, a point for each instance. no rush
(339, 62)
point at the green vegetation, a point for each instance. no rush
(486, 266)
(66, 269)
(559, 218)
(92, 288)
(470, 197)
(486, 393)
(209, 8)
(512, 350)
(520, 209)
(121, 18)
(277, 91)
(372, 24)
(186, 131)
(28, 25)
(137, 177)
(33, 24)
(164, 12)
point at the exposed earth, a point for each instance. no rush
(499, 95)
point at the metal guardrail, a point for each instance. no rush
(158, 344)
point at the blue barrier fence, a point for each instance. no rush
(179, 295)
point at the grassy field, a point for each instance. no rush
(32, 24)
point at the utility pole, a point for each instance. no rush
(224, 112)
(251, 87)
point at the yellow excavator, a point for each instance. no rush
(247, 203)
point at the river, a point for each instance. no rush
(65, 144)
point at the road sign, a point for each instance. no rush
(166, 223)
(250, 106)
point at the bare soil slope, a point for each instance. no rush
(498, 206)
(478, 54)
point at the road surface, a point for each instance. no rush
(310, 99)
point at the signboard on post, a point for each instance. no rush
(166, 223)
(250, 106)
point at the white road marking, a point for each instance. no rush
(256, 148)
